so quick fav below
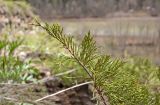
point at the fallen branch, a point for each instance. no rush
(17, 101)
(40, 81)
(67, 72)
(15, 84)
(62, 91)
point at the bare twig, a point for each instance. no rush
(39, 81)
(62, 91)
(10, 99)
(12, 84)
(67, 72)
(18, 101)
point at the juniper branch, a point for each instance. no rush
(83, 57)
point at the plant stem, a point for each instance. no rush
(87, 71)
(101, 96)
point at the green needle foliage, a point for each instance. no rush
(118, 85)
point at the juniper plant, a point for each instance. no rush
(109, 81)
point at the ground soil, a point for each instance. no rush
(28, 93)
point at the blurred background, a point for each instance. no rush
(33, 64)
(121, 27)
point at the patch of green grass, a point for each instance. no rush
(11, 67)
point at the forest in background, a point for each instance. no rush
(50, 9)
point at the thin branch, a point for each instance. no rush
(62, 91)
(17, 101)
(10, 99)
(67, 72)
(15, 84)
(39, 81)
